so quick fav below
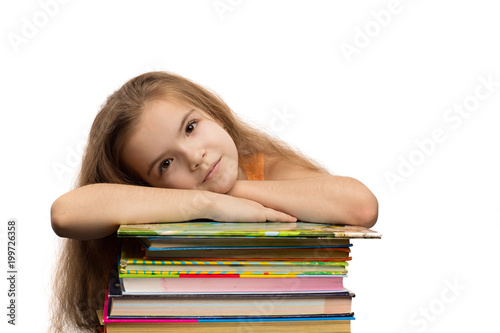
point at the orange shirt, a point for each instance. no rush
(254, 167)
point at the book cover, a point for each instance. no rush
(229, 284)
(152, 267)
(275, 325)
(247, 229)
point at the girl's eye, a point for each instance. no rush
(191, 126)
(164, 165)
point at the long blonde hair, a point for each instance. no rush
(81, 274)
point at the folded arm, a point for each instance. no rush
(312, 196)
(97, 210)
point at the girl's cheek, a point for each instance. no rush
(183, 181)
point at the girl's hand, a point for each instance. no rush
(226, 208)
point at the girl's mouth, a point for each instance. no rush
(213, 170)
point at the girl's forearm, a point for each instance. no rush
(323, 199)
(97, 210)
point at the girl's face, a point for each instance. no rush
(178, 146)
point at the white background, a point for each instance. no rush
(360, 115)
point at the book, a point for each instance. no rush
(175, 267)
(209, 284)
(223, 305)
(245, 229)
(195, 242)
(339, 254)
(278, 325)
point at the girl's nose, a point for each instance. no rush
(195, 158)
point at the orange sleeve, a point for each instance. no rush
(254, 167)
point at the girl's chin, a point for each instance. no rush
(223, 189)
(222, 185)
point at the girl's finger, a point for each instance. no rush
(277, 216)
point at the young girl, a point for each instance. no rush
(165, 149)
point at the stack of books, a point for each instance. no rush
(232, 277)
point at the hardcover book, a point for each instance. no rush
(225, 284)
(246, 229)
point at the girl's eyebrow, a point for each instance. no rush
(181, 128)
